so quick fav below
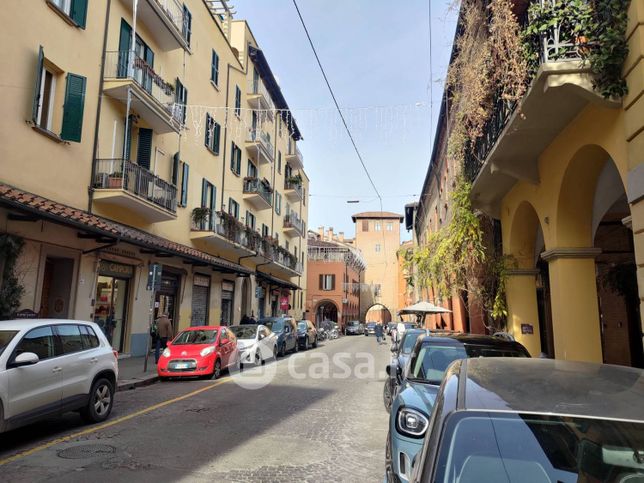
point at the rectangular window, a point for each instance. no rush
(304, 196)
(264, 230)
(185, 174)
(286, 245)
(250, 220)
(208, 199)
(377, 247)
(237, 101)
(214, 68)
(279, 162)
(390, 226)
(181, 99)
(278, 203)
(90, 340)
(365, 225)
(377, 226)
(213, 134)
(235, 159)
(186, 29)
(74, 9)
(233, 208)
(70, 338)
(252, 170)
(327, 282)
(40, 341)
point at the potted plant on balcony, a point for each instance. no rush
(200, 217)
(115, 180)
(295, 180)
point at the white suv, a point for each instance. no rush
(50, 367)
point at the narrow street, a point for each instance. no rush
(313, 422)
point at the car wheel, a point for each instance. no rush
(306, 344)
(216, 371)
(258, 359)
(101, 400)
(297, 346)
(274, 353)
(283, 350)
(315, 343)
(386, 395)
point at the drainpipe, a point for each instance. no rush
(90, 188)
(223, 167)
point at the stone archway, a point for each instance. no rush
(378, 313)
(326, 310)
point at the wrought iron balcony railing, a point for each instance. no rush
(260, 187)
(291, 220)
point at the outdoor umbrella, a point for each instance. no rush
(421, 309)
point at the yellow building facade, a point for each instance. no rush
(144, 133)
(566, 178)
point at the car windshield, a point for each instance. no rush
(371, 324)
(196, 337)
(508, 448)
(5, 337)
(409, 341)
(244, 331)
(433, 359)
(301, 325)
(276, 326)
(353, 323)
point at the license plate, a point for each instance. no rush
(181, 365)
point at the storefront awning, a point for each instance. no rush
(38, 207)
(276, 281)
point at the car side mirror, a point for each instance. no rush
(25, 359)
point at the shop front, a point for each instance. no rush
(166, 299)
(227, 298)
(200, 298)
(111, 301)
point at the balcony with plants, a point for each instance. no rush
(152, 97)
(258, 192)
(293, 188)
(293, 225)
(222, 230)
(522, 71)
(124, 184)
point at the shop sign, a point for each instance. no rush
(154, 276)
(113, 269)
(527, 329)
(201, 280)
(25, 314)
(284, 305)
(259, 292)
(227, 286)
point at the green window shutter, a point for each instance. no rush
(184, 184)
(208, 127)
(204, 193)
(36, 102)
(321, 282)
(175, 168)
(214, 68)
(79, 12)
(144, 151)
(217, 135)
(73, 108)
(232, 156)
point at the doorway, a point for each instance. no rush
(227, 297)
(110, 312)
(166, 298)
(56, 288)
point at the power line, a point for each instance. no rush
(337, 106)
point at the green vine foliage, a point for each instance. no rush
(11, 290)
(595, 30)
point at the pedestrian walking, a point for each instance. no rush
(164, 333)
(378, 330)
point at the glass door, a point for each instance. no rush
(111, 309)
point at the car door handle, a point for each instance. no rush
(56, 369)
(94, 360)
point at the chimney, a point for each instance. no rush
(321, 232)
(330, 233)
(341, 236)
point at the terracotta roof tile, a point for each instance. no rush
(376, 215)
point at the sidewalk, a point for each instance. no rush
(131, 373)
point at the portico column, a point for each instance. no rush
(523, 313)
(575, 310)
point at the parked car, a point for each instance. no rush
(412, 406)
(307, 334)
(285, 329)
(354, 327)
(370, 329)
(539, 420)
(400, 355)
(203, 351)
(50, 367)
(256, 343)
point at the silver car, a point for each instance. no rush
(49, 367)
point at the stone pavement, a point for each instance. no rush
(131, 374)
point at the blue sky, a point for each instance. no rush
(376, 55)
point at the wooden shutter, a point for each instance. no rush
(78, 12)
(214, 68)
(332, 282)
(321, 282)
(187, 24)
(73, 108)
(175, 168)
(208, 127)
(124, 48)
(237, 100)
(204, 193)
(38, 84)
(184, 184)
(365, 225)
(217, 136)
(144, 151)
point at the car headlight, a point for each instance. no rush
(207, 351)
(412, 423)
(166, 352)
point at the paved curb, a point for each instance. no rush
(127, 384)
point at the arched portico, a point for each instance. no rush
(378, 313)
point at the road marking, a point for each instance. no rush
(111, 423)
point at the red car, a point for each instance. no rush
(199, 351)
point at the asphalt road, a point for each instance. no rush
(312, 416)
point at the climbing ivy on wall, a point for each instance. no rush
(11, 289)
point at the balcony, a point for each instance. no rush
(294, 155)
(259, 146)
(293, 188)
(259, 98)
(513, 139)
(293, 225)
(124, 184)
(258, 192)
(152, 97)
(221, 230)
(284, 261)
(164, 19)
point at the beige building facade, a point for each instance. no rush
(147, 133)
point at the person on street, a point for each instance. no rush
(378, 330)
(164, 333)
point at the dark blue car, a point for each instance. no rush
(286, 331)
